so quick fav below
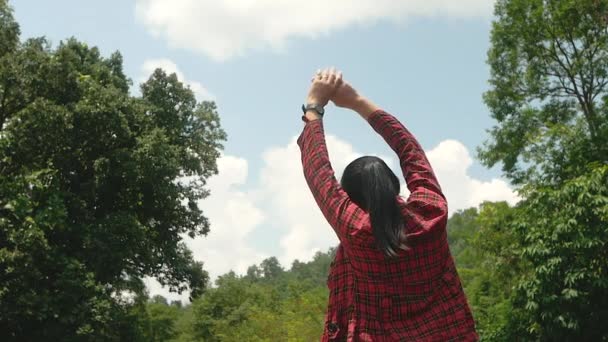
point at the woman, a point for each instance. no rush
(393, 277)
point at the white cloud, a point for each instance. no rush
(233, 216)
(281, 197)
(451, 161)
(149, 65)
(293, 207)
(222, 29)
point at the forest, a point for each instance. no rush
(91, 202)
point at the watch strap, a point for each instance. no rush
(311, 106)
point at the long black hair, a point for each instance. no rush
(373, 186)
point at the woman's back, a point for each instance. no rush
(414, 296)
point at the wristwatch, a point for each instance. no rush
(311, 106)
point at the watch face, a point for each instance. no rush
(320, 109)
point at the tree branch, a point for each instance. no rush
(579, 96)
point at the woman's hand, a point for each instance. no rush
(324, 84)
(346, 96)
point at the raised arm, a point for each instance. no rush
(426, 203)
(426, 196)
(415, 166)
(320, 177)
(318, 172)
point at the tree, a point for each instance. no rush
(549, 78)
(198, 280)
(564, 236)
(162, 320)
(271, 268)
(223, 308)
(96, 187)
(486, 251)
(267, 304)
(462, 226)
(254, 273)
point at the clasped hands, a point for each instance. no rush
(328, 85)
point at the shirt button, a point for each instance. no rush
(332, 327)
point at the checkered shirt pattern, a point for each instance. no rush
(416, 296)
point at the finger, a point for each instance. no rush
(333, 70)
(339, 79)
(326, 74)
(319, 74)
(332, 75)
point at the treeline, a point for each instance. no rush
(269, 303)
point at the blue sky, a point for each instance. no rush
(421, 60)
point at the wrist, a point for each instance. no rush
(357, 103)
(364, 107)
(312, 115)
(315, 101)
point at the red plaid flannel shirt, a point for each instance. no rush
(416, 296)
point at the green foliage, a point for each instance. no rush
(537, 271)
(462, 226)
(565, 237)
(163, 317)
(549, 77)
(9, 30)
(89, 202)
(288, 306)
(549, 65)
(486, 254)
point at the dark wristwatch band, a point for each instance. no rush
(311, 106)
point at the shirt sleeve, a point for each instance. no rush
(342, 214)
(426, 203)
